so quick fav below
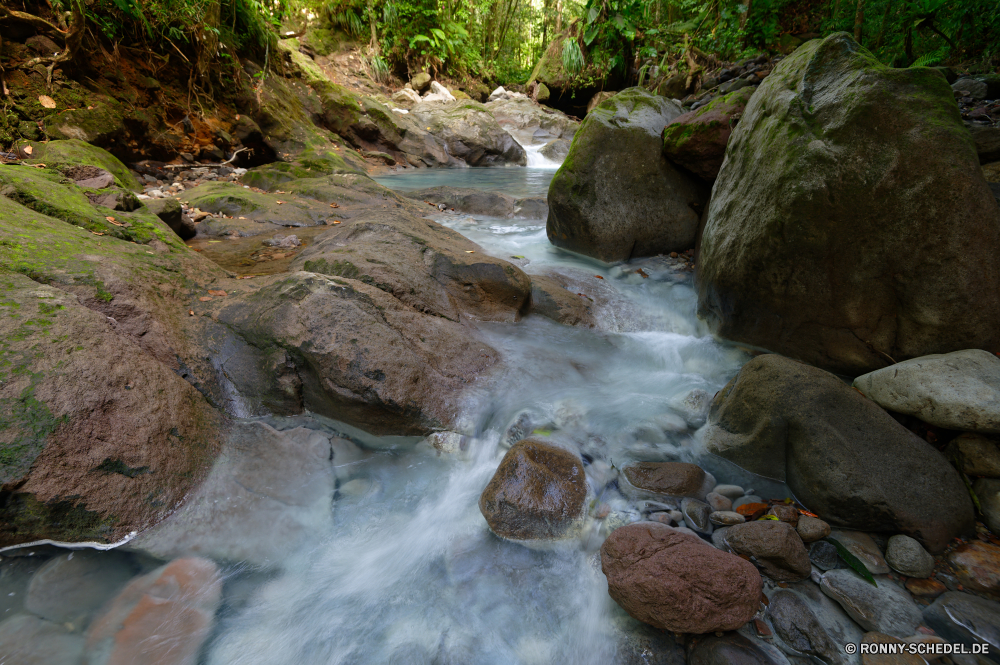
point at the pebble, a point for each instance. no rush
(788, 514)
(718, 501)
(907, 557)
(862, 546)
(887, 659)
(696, 515)
(811, 529)
(677, 516)
(726, 518)
(824, 555)
(731, 492)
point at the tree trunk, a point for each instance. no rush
(859, 20)
(885, 22)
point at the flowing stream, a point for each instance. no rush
(405, 570)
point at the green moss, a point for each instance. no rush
(336, 268)
(73, 152)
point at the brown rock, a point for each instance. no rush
(887, 659)
(672, 478)
(550, 299)
(775, 546)
(677, 582)
(975, 454)
(422, 264)
(159, 619)
(977, 566)
(811, 529)
(537, 493)
(92, 177)
(788, 514)
(697, 140)
(925, 588)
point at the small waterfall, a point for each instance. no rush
(532, 149)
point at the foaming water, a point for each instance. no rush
(402, 568)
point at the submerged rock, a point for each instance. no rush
(69, 588)
(615, 196)
(799, 240)
(959, 390)
(537, 495)
(163, 617)
(27, 640)
(965, 619)
(676, 581)
(734, 649)
(812, 624)
(842, 456)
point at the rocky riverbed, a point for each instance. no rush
(285, 413)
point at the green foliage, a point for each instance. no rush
(572, 57)
(852, 561)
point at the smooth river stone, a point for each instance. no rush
(886, 608)
(670, 478)
(862, 546)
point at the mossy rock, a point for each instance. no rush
(697, 140)
(48, 192)
(850, 225)
(99, 124)
(263, 212)
(98, 436)
(74, 152)
(615, 196)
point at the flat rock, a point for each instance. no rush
(907, 557)
(810, 623)
(886, 608)
(674, 582)
(977, 566)
(959, 390)
(843, 457)
(965, 619)
(537, 495)
(775, 547)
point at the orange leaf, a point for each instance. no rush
(216, 292)
(28, 149)
(46, 101)
(205, 298)
(598, 277)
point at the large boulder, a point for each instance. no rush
(850, 224)
(697, 140)
(100, 434)
(342, 348)
(675, 581)
(959, 390)
(422, 264)
(532, 122)
(466, 131)
(537, 495)
(616, 196)
(842, 456)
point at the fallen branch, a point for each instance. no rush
(202, 166)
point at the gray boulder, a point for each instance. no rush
(842, 456)
(975, 455)
(464, 130)
(808, 254)
(959, 390)
(975, 89)
(885, 608)
(987, 143)
(522, 116)
(616, 196)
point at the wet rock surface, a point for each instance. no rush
(781, 419)
(886, 608)
(676, 581)
(774, 546)
(537, 494)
